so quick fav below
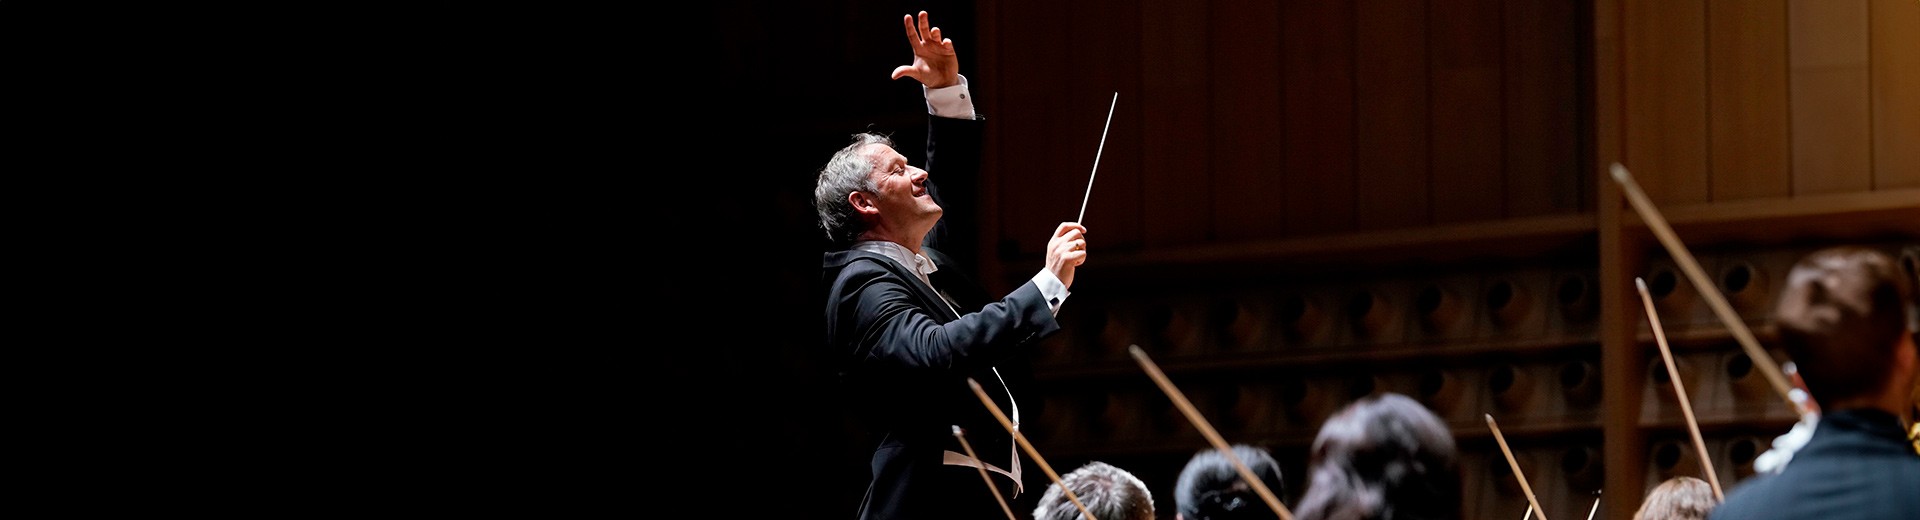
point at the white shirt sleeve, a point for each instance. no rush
(954, 101)
(1051, 288)
(1784, 446)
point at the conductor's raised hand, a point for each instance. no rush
(1066, 251)
(934, 63)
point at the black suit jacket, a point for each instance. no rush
(905, 357)
(1857, 466)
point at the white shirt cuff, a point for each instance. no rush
(1051, 288)
(954, 101)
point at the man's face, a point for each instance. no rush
(905, 207)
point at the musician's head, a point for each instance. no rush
(1846, 320)
(1211, 488)
(1679, 498)
(1107, 491)
(867, 191)
(1384, 457)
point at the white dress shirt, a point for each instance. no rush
(1050, 285)
(952, 101)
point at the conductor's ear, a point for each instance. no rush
(862, 202)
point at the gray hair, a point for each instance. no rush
(1108, 492)
(848, 171)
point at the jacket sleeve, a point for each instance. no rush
(892, 327)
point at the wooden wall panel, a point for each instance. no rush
(1747, 99)
(1248, 193)
(1542, 140)
(992, 271)
(1173, 108)
(1390, 107)
(1896, 93)
(1618, 355)
(1831, 114)
(1666, 98)
(1243, 121)
(1467, 119)
(1034, 171)
(1108, 61)
(1316, 48)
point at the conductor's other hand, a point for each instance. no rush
(934, 63)
(1066, 251)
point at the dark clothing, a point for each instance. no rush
(905, 357)
(1857, 465)
(951, 241)
(955, 185)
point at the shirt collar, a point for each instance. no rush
(917, 263)
(1872, 421)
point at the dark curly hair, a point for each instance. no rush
(1384, 457)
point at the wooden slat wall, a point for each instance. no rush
(1243, 121)
(1175, 77)
(1832, 117)
(1245, 94)
(1542, 164)
(1316, 49)
(1117, 205)
(1747, 99)
(1896, 93)
(1666, 99)
(1249, 121)
(1390, 38)
(1034, 169)
(1466, 37)
(1801, 97)
(1625, 449)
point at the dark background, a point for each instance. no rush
(664, 357)
(668, 157)
(487, 256)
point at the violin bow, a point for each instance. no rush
(1705, 286)
(1679, 389)
(1193, 415)
(961, 434)
(1522, 477)
(1008, 424)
